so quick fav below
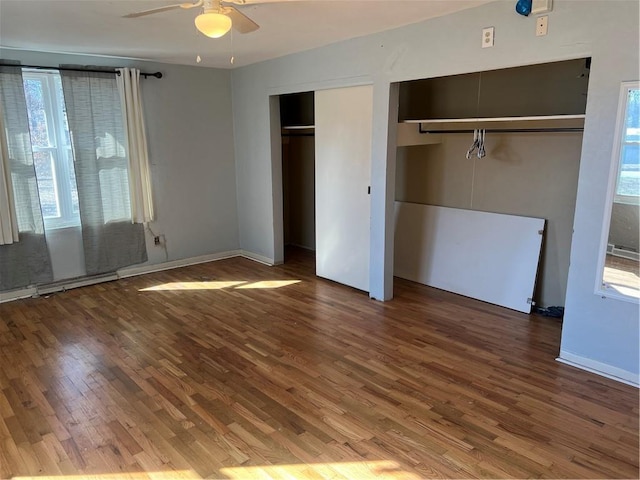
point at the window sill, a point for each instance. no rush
(625, 294)
(61, 226)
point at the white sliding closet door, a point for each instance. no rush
(343, 123)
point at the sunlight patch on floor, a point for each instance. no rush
(269, 284)
(633, 292)
(219, 285)
(168, 475)
(622, 275)
(191, 286)
(624, 282)
(380, 470)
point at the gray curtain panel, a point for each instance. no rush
(27, 261)
(110, 239)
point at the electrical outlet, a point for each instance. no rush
(542, 25)
(156, 240)
(487, 37)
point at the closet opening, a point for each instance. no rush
(472, 218)
(298, 175)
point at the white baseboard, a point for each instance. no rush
(621, 252)
(258, 258)
(18, 294)
(599, 368)
(185, 262)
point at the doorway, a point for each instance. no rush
(533, 119)
(325, 158)
(298, 173)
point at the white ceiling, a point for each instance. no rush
(286, 26)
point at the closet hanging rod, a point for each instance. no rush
(69, 69)
(508, 130)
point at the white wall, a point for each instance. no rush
(599, 330)
(190, 136)
(66, 253)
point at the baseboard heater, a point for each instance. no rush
(623, 252)
(63, 285)
(68, 284)
(60, 286)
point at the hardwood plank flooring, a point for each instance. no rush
(236, 370)
(622, 272)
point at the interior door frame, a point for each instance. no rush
(276, 150)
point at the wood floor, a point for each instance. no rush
(237, 370)
(622, 272)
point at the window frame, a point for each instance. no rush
(620, 142)
(61, 152)
(601, 287)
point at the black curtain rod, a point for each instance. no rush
(40, 67)
(509, 130)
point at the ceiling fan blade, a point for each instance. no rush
(258, 2)
(241, 23)
(163, 9)
(265, 2)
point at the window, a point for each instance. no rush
(628, 154)
(51, 143)
(619, 249)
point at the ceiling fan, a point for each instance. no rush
(216, 19)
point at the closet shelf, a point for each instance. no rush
(541, 123)
(298, 131)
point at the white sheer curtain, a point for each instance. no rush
(8, 217)
(136, 142)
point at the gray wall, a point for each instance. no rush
(533, 175)
(555, 88)
(598, 332)
(190, 136)
(625, 226)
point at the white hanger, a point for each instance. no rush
(475, 144)
(481, 150)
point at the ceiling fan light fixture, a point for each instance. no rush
(213, 24)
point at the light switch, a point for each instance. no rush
(541, 6)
